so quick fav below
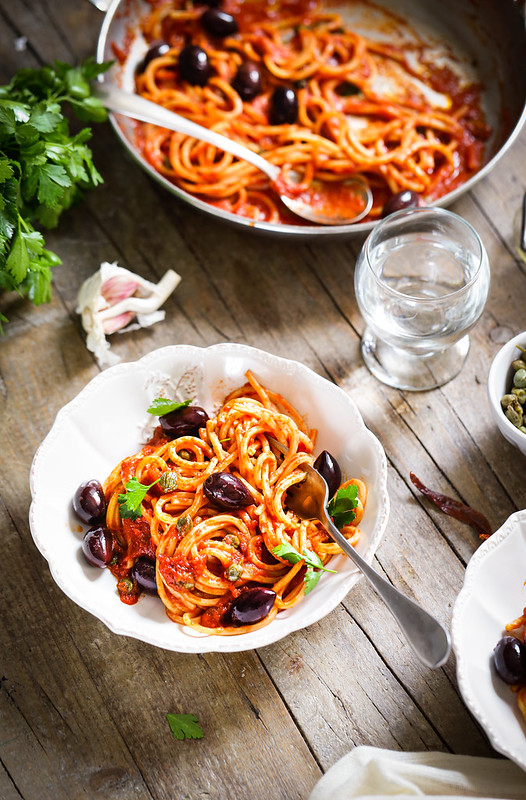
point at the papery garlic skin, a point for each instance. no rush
(115, 299)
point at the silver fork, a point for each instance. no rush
(428, 637)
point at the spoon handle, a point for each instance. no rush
(137, 107)
(428, 637)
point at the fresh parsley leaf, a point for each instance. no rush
(312, 561)
(185, 726)
(161, 406)
(288, 552)
(311, 579)
(43, 167)
(130, 502)
(341, 506)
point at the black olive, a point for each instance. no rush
(329, 469)
(156, 49)
(97, 546)
(184, 421)
(89, 503)
(194, 65)
(402, 200)
(143, 571)
(247, 81)
(227, 491)
(252, 605)
(283, 106)
(218, 23)
(509, 658)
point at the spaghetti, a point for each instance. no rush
(210, 561)
(387, 112)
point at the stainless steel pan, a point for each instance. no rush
(488, 37)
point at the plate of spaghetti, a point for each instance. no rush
(171, 524)
(490, 610)
(325, 90)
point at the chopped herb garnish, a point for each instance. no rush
(130, 502)
(341, 506)
(185, 726)
(312, 561)
(161, 406)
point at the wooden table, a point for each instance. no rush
(82, 710)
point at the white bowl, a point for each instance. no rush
(499, 383)
(107, 422)
(493, 594)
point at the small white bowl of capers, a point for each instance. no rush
(507, 390)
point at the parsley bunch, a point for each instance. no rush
(43, 168)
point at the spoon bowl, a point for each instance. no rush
(341, 203)
(428, 637)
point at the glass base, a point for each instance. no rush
(404, 370)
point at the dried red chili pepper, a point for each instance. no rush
(455, 508)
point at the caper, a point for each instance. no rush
(232, 540)
(506, 400)
(185, 584)
(520, 394)
(233, 572)
(519, 379)
(168, 481)
(519, 363)
(184, 524)
(514, 412)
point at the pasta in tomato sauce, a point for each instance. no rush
(220, 570)
(387, 113)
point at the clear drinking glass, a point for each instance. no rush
(421, 281)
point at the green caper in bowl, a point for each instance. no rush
(514, 402)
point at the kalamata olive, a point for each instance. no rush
(247, 81)
(97, 546)
(509, 658)
(329, 469)
(252, 605)
(156, 49)
(219, 23)
(402, 200)
(143, 571)
(184, 421)
(227, 491)
(283, 106)
(89, 503)
(194, 65)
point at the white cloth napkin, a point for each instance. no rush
(368, 772)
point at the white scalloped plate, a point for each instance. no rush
(493, 594)
(107, 422)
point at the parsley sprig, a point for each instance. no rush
(43, 168)
(185, 726)
(312, 561)
(341, 506)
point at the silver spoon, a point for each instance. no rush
(137, 107)
(428, 638)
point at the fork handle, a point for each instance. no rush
(428, 637)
